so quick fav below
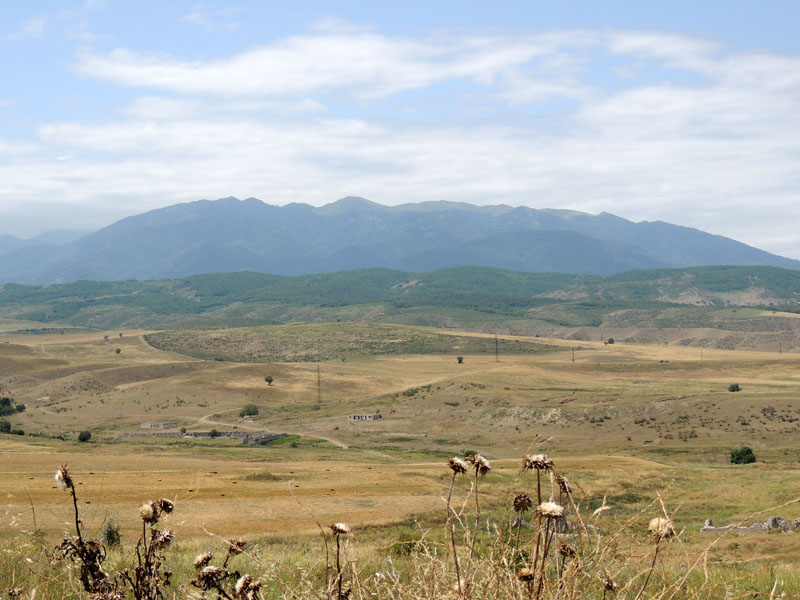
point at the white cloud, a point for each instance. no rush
(366, 64)
(32, 28)
(212, 20)
(717, 150)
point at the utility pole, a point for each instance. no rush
(496, 351)
(319, 387)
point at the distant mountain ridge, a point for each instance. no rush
(230, 235)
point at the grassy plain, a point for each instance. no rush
(622, 420)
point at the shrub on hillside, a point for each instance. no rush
(84, 436)
(249, 410)
(7, 407)
(734, 387)
(743, 456)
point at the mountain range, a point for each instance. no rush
(230, 235)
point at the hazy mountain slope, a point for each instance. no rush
(232, 235)
(543, 251)
(10, 243)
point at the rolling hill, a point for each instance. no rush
(467, 294)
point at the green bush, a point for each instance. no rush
(5, 426)
(743, 456)
(249, 410)
(84, 436)
(734, 387)
(7, 407)
(110, 535)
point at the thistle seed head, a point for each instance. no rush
(148, 512)
(63, 479)
(525, 574)
(163, 539)
(236, 546)
(458, 465)
(537, 462)
(550, 510)
(340, 529)
(209, 577)
(202, 560)
(242, 586)
(522, 502)
(608, 583)
(660, 528)
(480, 464)
(566, 550)
(563, 484)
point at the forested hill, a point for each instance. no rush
(244, 296)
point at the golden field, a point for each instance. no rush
(623, 421)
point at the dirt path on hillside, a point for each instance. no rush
(206, 420)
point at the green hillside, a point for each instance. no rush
(467, 296)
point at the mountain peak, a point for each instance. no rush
(349, 203)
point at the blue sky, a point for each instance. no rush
(687, 112)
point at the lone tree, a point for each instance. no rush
(269, 379)
(743, 456)
(249, 410)
(84, 436)
(460, 359)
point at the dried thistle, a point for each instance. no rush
(148, 512)
(63, 479)
(339, 529)
(209, 577)
(536, 462)
(660, 528)
(550, 510)
(480, 464)
(522, 502)
(202, 560)
(458, 465)
(236, 546)
(563, 484)
(608, 584)
(163, 539)
(242, 585)
(165, 506)
(526, 575)
(566, 550)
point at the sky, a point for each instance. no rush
(686, 112)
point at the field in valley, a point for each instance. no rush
(623, 420)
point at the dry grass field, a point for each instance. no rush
(625, 421)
